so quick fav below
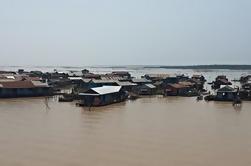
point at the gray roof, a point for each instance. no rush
(150, 86)
(125, 83)
(86, 80)
(75, 78)
(158, 75)
(75, 73)
(103, 81)
(141, 80)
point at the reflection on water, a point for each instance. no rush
(148, 131)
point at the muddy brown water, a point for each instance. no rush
(149, 131)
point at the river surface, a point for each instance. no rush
(159, 131)
(175, 131)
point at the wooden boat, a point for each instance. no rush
(209, 98)
(66, 98)
(199, 98)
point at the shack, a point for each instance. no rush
(245, 79)
(25, 88)
(176, 89)
(226, 93)
(200, 78)
(219, 81)
(146, 89)
(156, 77)
(101, 96)
(123, 74)
(126, 85)
(141, 81)
(104, 82)
(245, 92)
(171, 79)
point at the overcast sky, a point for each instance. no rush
(125, 32)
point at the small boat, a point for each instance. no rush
(199, 98)
(66, 98)
(209, 97)
(133, 97)
(206, 93)
(63, 99)
(237, 101)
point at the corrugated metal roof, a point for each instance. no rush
(224, 81)
(158, 75)
(86, 80)
(126, 83)
(10, 77)
(103, 81)
(22, 84)
(39, 84)
(104, 90)
(178, 86)
(150, 86)
(120, 72)
(17, 84)
(75, 78)
(140, 80)
(185, 83)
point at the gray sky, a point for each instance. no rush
(125, 32)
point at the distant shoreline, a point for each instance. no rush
(207, 67)
(189, 67)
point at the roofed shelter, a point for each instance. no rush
(101, 96)
(25, 88)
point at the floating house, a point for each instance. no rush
(76, 80)
(92, 76)
(99, 82)
(7, 72)
(174, 79)
(182, 77)
(101, 96)
(219, 81)
(123, 74)
(199, 81)
(126, 85)
(245, 79)
(146, 89)
(176, 89)
(200, 78)
(171, 79)
(156, 77)
(226, 93)
(199, 85)
(141, 81)
(26, 88)
(75, 73)
(245, 92)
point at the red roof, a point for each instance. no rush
(224, 81)
(178, 86)
(185, 83)
(18, 84)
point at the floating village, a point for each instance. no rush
(92, 90)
